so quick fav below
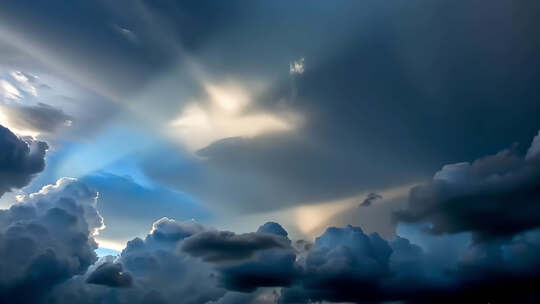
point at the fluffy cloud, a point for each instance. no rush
(45, 239)
(496, 195)
(184, 260)
(346, 265)
(162, 272)
(20, 160)
(343, 265)
(342, 262)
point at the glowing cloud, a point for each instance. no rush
(224, 115)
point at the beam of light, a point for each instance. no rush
(4, 121)
(117, 143)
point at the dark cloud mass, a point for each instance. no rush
(46, 243)
(110, 274)
(215, 246)
(496, 195)
(383, 103)
(20, 160)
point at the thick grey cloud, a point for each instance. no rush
(343, 265)
(216, 246)
(162, 269)
(41, 117)
(346, 265)
(386, 108)
(389, 92)
(20, 160)
(160, 272)
(496, 195)
(45, 239)
(110, 274)
(385, 94)
(248, 261)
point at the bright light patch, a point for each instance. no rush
(4, 121)
(297, 66)
(109, 244)
(223, 115)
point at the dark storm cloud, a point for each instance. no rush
(496, 195)
(387, 90)
(387, 107)
(110, 274)
(346, 265)
(390, 91)
(45, 239)
(343, 265)
(162, 272)
(41, 117)
(20, 160)
(342, 262)
(248, 261)
(216, 246)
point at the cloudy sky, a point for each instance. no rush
(269, 151)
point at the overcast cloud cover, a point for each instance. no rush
(269, 152)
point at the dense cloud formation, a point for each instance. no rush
(367, 96)
(342, 262)
(384, 87)
(202, 265)
(165, 266)
(45, 239)
(110, 274)
(247, 261)
(215, 246)
(20, 160)
(184, 260)
(343, 265)
(497, 195)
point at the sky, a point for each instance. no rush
(222, 152)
